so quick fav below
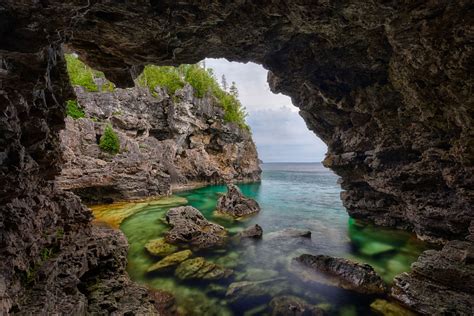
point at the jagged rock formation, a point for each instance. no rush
(235, 204)
(385, 84)
(166, 141)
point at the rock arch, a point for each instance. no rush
(385, 84)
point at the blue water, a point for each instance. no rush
(304, 196)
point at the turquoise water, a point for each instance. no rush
(304, 196)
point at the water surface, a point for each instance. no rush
(304, 196)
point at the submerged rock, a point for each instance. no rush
(190, 227)
(288, 233)
(234, 203)
(200, 269)
(255, 231)
(386, 308)
(255, 274)
(164, 302)
(291, 305)
(338, 272)
(170, 261)
(441, 282)
(160, 248)
(255, 292)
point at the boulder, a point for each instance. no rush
(288, 233)
(160, 248)
(170, 261)
(293, 306)
(338, 272)
(200, 269)
(252, 232)
(234, 203)
(255, 292)
(190, 227)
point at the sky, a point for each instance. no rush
(279, 132)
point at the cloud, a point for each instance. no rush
(278, 130)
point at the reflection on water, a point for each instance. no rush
(303, 196)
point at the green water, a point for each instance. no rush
(302, 196)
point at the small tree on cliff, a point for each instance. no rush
(233, 90)
(224, 83)
(109, 142)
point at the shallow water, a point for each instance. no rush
(304, 196)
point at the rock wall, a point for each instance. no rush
(166, 142)
(386, 84)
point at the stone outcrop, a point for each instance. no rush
(235, 204)
(166, 142)
(441, 282)
(189, 227)
(338, 272)
(385, 84)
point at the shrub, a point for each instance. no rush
(82, 75)
(73, 110)
(109, 142)
(165, 76)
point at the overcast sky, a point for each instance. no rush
(278, 130)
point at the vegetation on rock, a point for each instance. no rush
(82, 75)
(74, 110)
(109, 142)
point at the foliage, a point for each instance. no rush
(164, 76)
(73, 110)
(109, 142)
(82, 75)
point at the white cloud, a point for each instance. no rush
(278, 130)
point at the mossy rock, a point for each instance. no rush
(160, 248)
(170, 261)
(200, 269)
(386, 308)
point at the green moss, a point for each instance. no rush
(73, 110)
(109, 142)
(82, 75)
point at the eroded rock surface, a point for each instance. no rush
(235, 204)
(441, 282)
(338, 272)
(200, 269)
(166, 141)
(189, 227)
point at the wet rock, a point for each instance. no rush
(255, 292)
(164, 302)
(190, 227)
(234, 203)
(200, 269)
(292, 305)
(170, 261)
(255, 232)
(386, 308)
(441, 282)
(160, 248)
(338, 272)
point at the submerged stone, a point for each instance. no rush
(164, 302)
(190, 227)
(255, 292)
(200, 269)
(234, 203)
(338, 272)
(386, 308)
(288, 305)
(170, 261)
(255, 231)
(255, 274)
(288, 233)
(374, 248)
(160, 248)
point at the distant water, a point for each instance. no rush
(292, 195)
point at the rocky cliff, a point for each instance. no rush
(386, 84)
(166, 142)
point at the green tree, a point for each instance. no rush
(224, 83)
(109, 141)
(233, 90)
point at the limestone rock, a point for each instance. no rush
(292, 305)
(338, 272)
(441, 282)
(170, 261)
(160, 248)
(190, 227)
(200, 269)
(234, 203)
(255, 232)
